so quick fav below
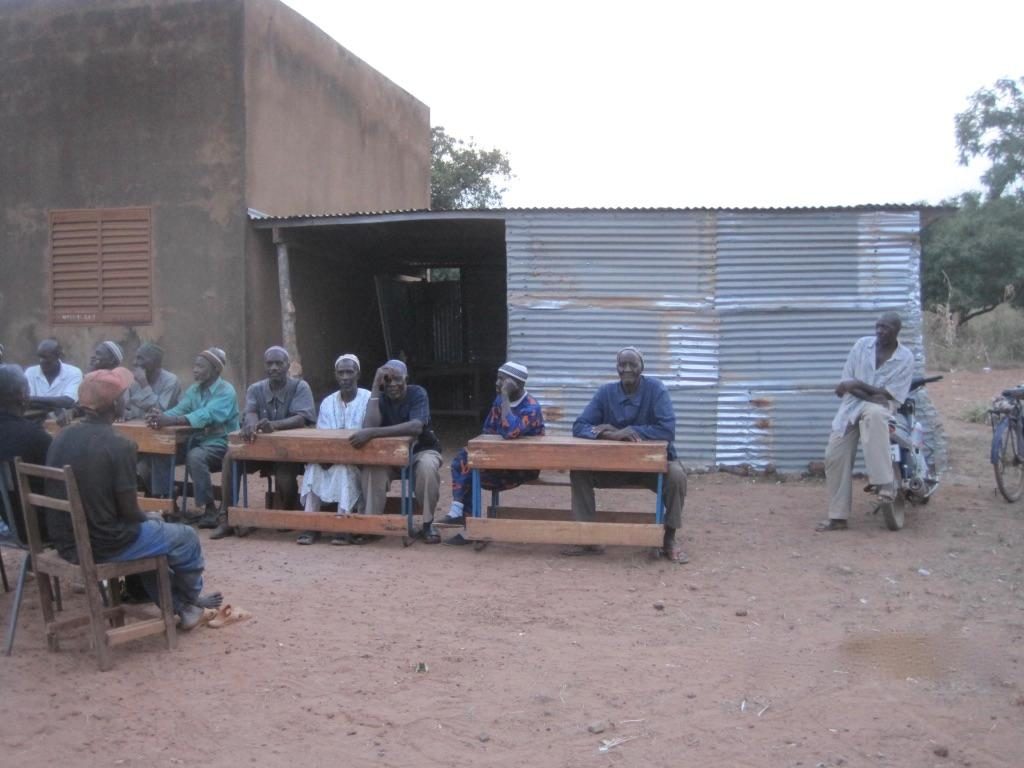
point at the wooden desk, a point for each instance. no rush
(150, 442)
(320, 446)
(552, 452)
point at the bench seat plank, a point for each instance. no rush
(327, 522)
(563, 532)
(537, 513)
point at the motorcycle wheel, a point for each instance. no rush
(1009, 471)
(893, 511)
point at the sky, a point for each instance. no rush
(677, 104)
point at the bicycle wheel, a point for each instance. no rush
(892, 511)
(1008, 468)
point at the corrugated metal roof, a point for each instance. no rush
(426, 213)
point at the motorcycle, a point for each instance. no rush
(915, 478)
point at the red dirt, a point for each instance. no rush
(775, 646)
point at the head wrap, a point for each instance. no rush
(635, 351)
(216, 357)
(115, 350)
(348, 356)
(398, 365)
(276, 348)
(100, 389)
(515, 371)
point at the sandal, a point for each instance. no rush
(307, 537)
(430, 536)
(228, 615)
(675, 554)
(341, 540)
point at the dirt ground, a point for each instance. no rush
(775, 646)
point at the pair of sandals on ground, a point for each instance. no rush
(886, 494)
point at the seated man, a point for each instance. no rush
(53, 384)
(876, 380)
(154, 388)
(336, 483)
(106, 356)
(104, 466)
(514, 413)
(632, 409)
(209, 405)
(19, 437)
(396, 409)
(277, 403)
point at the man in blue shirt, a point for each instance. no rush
(399, 409)
(632, 409)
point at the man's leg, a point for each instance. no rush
(839, 458)
(203, 459)
(286, 484)
(874, 436)
(462, 486)
(184, 557)
(584, 507)
(374, 483)
(426, 468)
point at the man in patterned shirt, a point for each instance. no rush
(515, 413)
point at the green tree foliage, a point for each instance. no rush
(974, 259)
(463, 175)
(993, 126)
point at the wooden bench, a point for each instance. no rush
(554, 526)
(320, 446)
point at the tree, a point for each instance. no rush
(993, 126)
(463, 175)
(974, 259)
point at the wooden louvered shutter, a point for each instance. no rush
(101, 266)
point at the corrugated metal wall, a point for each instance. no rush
(746, 316)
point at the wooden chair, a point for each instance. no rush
(47, 564)
(14, 538)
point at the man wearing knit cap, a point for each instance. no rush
(632, 409)
(211, 406)
(104, 466)
(276, 403)
(53, 384)
(514, 413)
(400, 409)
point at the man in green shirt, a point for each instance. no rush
(210, 406)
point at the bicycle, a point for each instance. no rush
(1007, 454)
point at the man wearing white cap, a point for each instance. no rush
(400, 409)
(514, 413)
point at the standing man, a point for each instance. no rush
(514, 413)
(104, 466)
(399, 409)
(632, 409)
(209, 405)
(53, 384)
(876, 379)
(154, 387)
(273, 404)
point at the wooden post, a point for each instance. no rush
(284, 282)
